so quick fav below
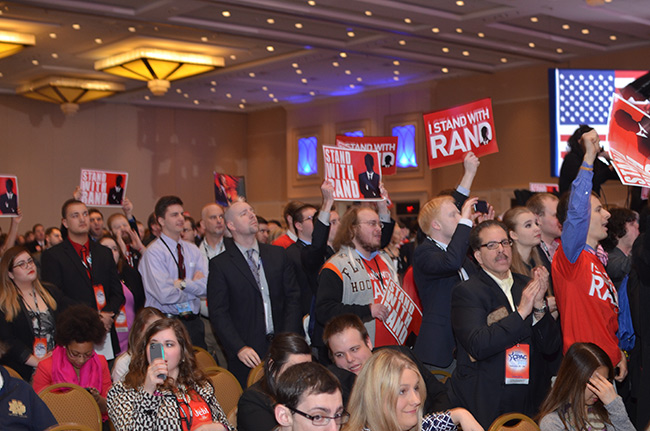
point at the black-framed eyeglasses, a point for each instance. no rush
(320, 421)
(493, 245)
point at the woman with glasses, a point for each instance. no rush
(164, 389)
(389, 395)
(27, 312)
(73, 360)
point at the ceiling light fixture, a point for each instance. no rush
(444, 70)
(481, 34)
(408, 20)
(158, 67)
(585, 31)
(298, 25)
(270, 48)
(270, 21)
(368, 13)
(68, 92)
(534, 19)
(504, 60)
(565, 26)
(613, 37)
(395, 62)
(402, 42)
(12, 43)
(226, 13)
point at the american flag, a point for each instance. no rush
(582, 96)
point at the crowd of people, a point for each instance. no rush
(539, 311)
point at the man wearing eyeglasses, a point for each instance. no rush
(501, 325)
(309, 399)
(356, 278)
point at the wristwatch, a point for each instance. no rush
(544, 309)
(183, 284)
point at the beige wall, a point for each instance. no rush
(165, 151)
(520, 105)
(175, 151)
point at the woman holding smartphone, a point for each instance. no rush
(164, 389)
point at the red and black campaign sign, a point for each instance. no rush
(356, 174)
(453, 132)
(8, 196)
(629, 142)
(385, 145)
(103, 188)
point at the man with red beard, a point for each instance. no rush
(351, 280)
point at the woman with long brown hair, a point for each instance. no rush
(165, 394)
(27, 312)
(583, 397)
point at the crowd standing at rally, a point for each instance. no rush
(540, 311)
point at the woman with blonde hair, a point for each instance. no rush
(27, 312)
(389, 395)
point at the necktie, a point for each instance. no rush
(84, 259)
(181, 262)
(253, 266)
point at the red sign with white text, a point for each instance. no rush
(454, 132)
(102, 188)
(385, 145)
(629, 142)
(355, 173)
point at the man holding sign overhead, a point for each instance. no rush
(361, 280)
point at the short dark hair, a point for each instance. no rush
(66, 204)
(298, 215)
(164, 203)
(616, 226)
(563, 205)
(340, 323)
(191, 220)
(302, 380)
(95, 211)
(474, 235)
(290, 208)
(574, 140)
(35, 226)
(79, 323)
(49, 230)
(261, 220)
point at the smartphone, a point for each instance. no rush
(481, 207)
(156, 351)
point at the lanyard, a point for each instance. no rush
(377, 274)
(178, 266)
(36, 312)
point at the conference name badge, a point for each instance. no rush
(121, 324)
(100, 296)
(40, 347)
(518, 364)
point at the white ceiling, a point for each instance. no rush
(385, 42)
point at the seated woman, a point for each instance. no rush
(255, 408)
(73, 360)
(131, 288)
(389, 396)
(27, 312)
(165, 394)
(143, 320)
(583, 396)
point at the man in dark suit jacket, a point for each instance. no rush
(247, 308)
(499, 317)
(9, 200)
(369, 180)
(84, 270)
(439, 263)
(115, 194)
